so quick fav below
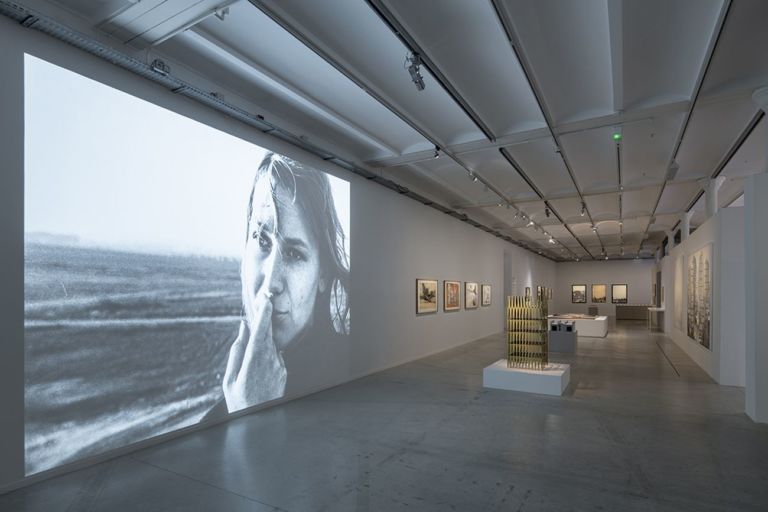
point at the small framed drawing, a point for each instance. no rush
(485, 293)
(470, 295)
(598, 293)
(619, 293)
(578, 293)
(426, 296)
(451, 295)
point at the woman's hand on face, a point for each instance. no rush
(256, 371)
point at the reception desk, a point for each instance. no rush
(585, 325)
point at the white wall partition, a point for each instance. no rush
(725, 360)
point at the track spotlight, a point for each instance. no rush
(474, 178)
(583, 209)
(530, 223)
(552, 240)
(437, 152)
(594, 228)
(547, 212)
(414, 69)
(160, 67)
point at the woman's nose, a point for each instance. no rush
(274, 273)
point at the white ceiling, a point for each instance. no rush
(526, 95)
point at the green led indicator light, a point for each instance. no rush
(617, 136)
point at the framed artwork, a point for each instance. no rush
(471, 299)
(598, 293)
(451, 295)
(426, 296)
(700, 296)
(485, 293)
(578, 293)
(619, 293)
(539, 291)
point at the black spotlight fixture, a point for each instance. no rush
(414, 69)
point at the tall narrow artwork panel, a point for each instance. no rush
(700, 296)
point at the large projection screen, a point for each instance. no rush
(173, 273)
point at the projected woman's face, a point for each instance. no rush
(282, 261)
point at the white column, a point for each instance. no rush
(755, 255)
(670, 240)
(685, 226)
(710, 194)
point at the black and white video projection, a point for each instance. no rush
(173, 273)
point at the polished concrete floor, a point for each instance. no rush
(640, 428)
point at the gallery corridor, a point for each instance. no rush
(641, 428)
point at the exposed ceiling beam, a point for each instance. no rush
(615, 29)
(228, 55)
(389, 19)
(621, 118)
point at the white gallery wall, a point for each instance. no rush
(725, 362)
(636, 274)
(394, 240)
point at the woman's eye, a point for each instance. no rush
(265, 243)
(296, 255)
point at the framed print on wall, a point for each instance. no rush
(619, 293)
(470, 296)
(485, 290)
(451, 295)
(578, 293)
(426, 296)
(598, 293)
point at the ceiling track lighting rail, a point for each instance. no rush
(508, 157)
(735, 147)
(162, 75)
(709, 57)
(286, 25)
(409, 42)
(527, 69)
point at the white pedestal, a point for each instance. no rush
(551, 381)
(589, 327)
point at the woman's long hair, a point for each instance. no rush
(309, 190)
